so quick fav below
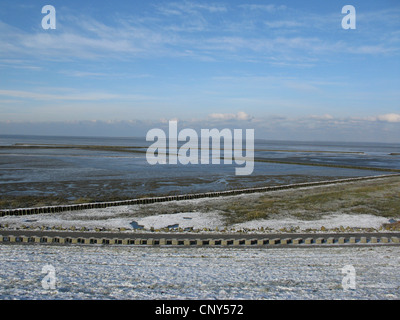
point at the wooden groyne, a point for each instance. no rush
(191, 196)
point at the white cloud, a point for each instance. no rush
(66, 94)
(283, 24)
(390, 117)
(84, 37)
(264, 7)
(323, 117)
(312, 128)
(91, 96)
(243, 116)
(177, 8)
(372, 49)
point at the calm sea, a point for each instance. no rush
(102, 173)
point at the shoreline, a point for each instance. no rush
(349, 206)
(155, 199)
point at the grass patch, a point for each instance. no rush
(381, 198)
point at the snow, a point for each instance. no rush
(129, 272)
(330, 222)
(196, 220)
(126, 272)
(115, 218)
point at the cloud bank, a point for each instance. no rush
(380, 128)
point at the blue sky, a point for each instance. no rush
(285, 68)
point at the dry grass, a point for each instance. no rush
(379, 197)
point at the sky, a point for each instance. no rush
(287, 69)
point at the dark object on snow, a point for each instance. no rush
(173, 226)
(135, 225)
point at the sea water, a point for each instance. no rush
(103, 173)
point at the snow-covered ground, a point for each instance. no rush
(125, 272)
(103, 218)
(330, 222)
(115, 218)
